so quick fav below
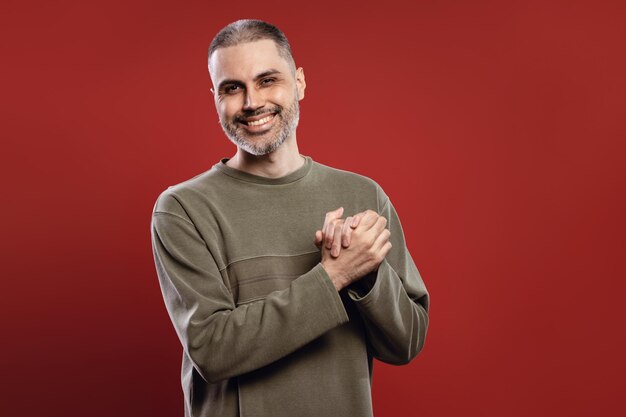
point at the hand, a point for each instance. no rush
(369, 246)
(336, 231)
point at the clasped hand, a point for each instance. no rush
(362, 241)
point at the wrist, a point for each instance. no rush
(335, 277)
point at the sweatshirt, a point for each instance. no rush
(264, 332)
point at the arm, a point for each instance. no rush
(224, 340)
(393, 301)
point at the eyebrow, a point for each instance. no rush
(257, 77)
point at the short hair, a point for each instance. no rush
(250, 30)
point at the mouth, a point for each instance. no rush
(258, 123)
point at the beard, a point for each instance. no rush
(285, 123)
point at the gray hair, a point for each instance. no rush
(250, 30)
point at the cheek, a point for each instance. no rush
(227, 108)
(281, 96)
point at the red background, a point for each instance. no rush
(497, 129)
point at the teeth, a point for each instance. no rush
(260, 121)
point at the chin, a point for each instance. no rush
(262, 151)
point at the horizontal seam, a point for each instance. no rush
(265, 278)
(266, 256)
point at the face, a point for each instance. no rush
(256, 95)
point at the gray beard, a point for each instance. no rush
(287, 123)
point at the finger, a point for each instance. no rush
(356, 219)
(386, 249)
(381, 239)
(336, 245)
(318, 239)
(379, 225)
(330, 216)
(330, 237)
(346, 232)
(368, 219)
(348, 236)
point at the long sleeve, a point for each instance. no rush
(224, 340)
(395, 307)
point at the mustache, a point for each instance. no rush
(244, 115)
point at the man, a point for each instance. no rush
(279, 315)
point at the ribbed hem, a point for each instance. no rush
(258, 179)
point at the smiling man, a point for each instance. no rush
(256, 128)
(280, 303)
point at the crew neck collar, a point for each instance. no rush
(258, 179)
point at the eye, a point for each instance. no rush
(267, 81)
(230, 89)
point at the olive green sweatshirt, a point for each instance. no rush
(264, 332)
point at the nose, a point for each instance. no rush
(253, 100)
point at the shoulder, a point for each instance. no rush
(352, 182)
(327, 173)
(176, 197)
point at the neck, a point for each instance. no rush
(279, 163)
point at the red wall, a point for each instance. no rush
(497, 129)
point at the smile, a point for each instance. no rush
(261, 122)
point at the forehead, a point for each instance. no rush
(244, 61)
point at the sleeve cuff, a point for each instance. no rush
(372, 295)
(335, 299)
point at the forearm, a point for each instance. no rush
(232, 342)
(394, 302)
(224, 339)
(395, 325)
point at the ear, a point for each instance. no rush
(213, 96)
(300, 83)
